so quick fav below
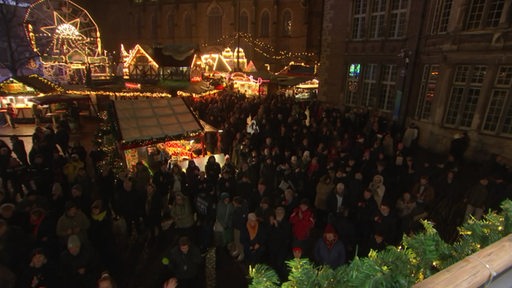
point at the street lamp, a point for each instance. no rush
(404, 56)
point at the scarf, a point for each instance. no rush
(252, 229)
(99, 216)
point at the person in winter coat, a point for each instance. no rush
(254, 237)
(183, 262)
(183, 215)
(73, 222)
(39, 273)
(223, 226)
(329, 250)
(477, 199)
(79, 264)
(302, 221)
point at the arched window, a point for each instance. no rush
(244, 22)
(170, 26)
(154, 26)
(214, 24)
(265, 24)
(286, 23)
(187, 25)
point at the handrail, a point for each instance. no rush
(475, 270)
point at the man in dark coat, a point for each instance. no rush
(183, 262)
(18, 147)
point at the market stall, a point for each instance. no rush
(19, 90)
(151, 130)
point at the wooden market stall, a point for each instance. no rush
(20, 89)
(151, 130)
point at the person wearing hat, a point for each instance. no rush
(329, 250)
(79, 264)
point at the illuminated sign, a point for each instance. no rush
(131, 85)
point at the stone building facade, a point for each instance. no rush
(272, 32)
(444, 64)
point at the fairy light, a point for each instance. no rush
(263, 48)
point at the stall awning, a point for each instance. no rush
(292, 81)
(146, 121)
(58, 98)
(28, 85)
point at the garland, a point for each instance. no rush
(419, 257)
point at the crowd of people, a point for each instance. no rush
(300, 179)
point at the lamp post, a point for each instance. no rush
(238, 39)
(400, 93)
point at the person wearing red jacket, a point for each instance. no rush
(302, 220)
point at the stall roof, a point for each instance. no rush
(58, 98)
(174, 55)
(292, 81)
(154, 120)
(28, 84)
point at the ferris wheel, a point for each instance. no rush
(61, 27)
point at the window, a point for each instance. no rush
(244, 22)
(187, 25)
(354, 71)
(214, 24)
(500, 99)
(427, 91)
(378, 13)
(170, 26)
(369, 95)
(387, 87)
(441, 17)
(154, 26)
(467, 83)
(286, 23)
(265, 24)
(358, 23)
(484, 14)
(398, 18)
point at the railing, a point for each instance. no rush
(476, 270)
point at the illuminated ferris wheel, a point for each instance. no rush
(60, 28)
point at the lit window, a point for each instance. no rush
(352, 84)
(286, 24)
(427, 91)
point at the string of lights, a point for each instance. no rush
(262, 47)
